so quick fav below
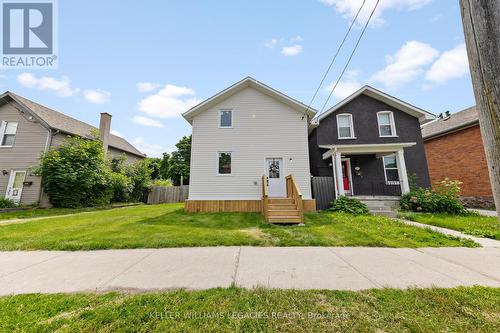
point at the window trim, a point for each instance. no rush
(391, 123)
(218, 157)
(391, 182)
(3, 128)
(220, 118)
(351, 126)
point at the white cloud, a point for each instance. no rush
(147, 86)
(152, 150)
(291, 50)
(451, 64)
(271, 43)
(96, 96)
(346, 86)
(169, 102)
(406, 65)
(115, 132)
(349, 8)
(61, 87)
(145, 121)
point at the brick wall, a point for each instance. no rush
(460, 155)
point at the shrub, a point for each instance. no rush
(7, 203)
(139, 174)
(349, 205)
(443, 199)
(162, 182)
(122, 187)
(76, 174)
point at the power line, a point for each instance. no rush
(349, 60)
(333, 60)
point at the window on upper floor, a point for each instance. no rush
(8, 130)
(226, 118)
(345, 128)
(391, 170)
(224, 163)
(386, 127)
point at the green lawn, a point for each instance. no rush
(472, 309)
(476, 225)
(158, 226)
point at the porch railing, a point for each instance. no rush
(293, 191)
(265, 198)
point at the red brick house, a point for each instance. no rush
(454, 150)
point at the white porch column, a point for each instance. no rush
(337, 162)
(403, 175)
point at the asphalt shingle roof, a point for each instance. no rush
(64, 123)
(455, 121)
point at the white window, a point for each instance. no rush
(224, 163)
(345, 128)
(391, 170)
(386, 125)
(8, 133)
(226, 118)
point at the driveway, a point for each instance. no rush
(340, 268)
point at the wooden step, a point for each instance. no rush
(291, 213)
(281, 207)
(285, 219)
(281, 201)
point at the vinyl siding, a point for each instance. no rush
(30, 142)
(262, 127)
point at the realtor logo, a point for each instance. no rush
(28, 34)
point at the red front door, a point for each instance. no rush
(345, 175)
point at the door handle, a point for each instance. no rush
(267, 181)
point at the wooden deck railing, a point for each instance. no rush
(265, 198)
(293, 191)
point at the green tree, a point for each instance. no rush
(154, 166)
(139, 174)
(180, 160)
(76, 174)
(164, 163)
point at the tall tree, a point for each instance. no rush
(481, 21)
(164, 164)
(180, 160)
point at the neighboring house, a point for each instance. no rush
(241, 134)
(370, 144)
(454, 150)
(28, 129)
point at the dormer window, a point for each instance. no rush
(8, 130)
(386, 126)
(345, 128)
(226, 118)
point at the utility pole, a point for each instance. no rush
(481, 21)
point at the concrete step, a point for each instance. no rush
(291, 213)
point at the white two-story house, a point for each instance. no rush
(250, 153)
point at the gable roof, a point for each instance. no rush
(61, 122)
(454, 122)
(240, 85)
(422, 115)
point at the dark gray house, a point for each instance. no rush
(369, 144)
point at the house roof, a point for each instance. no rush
(240, 85)
(454, 122)
(64, 123)
(422, 115)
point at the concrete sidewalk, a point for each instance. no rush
(343, 268)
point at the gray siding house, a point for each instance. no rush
(369, 143)
(28, 129)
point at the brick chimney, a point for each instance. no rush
(104, 129)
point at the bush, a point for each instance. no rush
(349, 205)
(122, 187)
(443, 199)
(139, 174)
(76, 174)
(162, 182)
(7, 203)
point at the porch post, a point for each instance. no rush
(338, 174)
(402, 173)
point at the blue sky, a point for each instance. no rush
(147, 61)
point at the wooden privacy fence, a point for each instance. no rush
(168, 194)
(323, 191)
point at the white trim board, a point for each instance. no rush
(365, 148)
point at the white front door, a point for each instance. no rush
(275, 177)
(15, 187)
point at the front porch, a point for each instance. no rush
(369, 169)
